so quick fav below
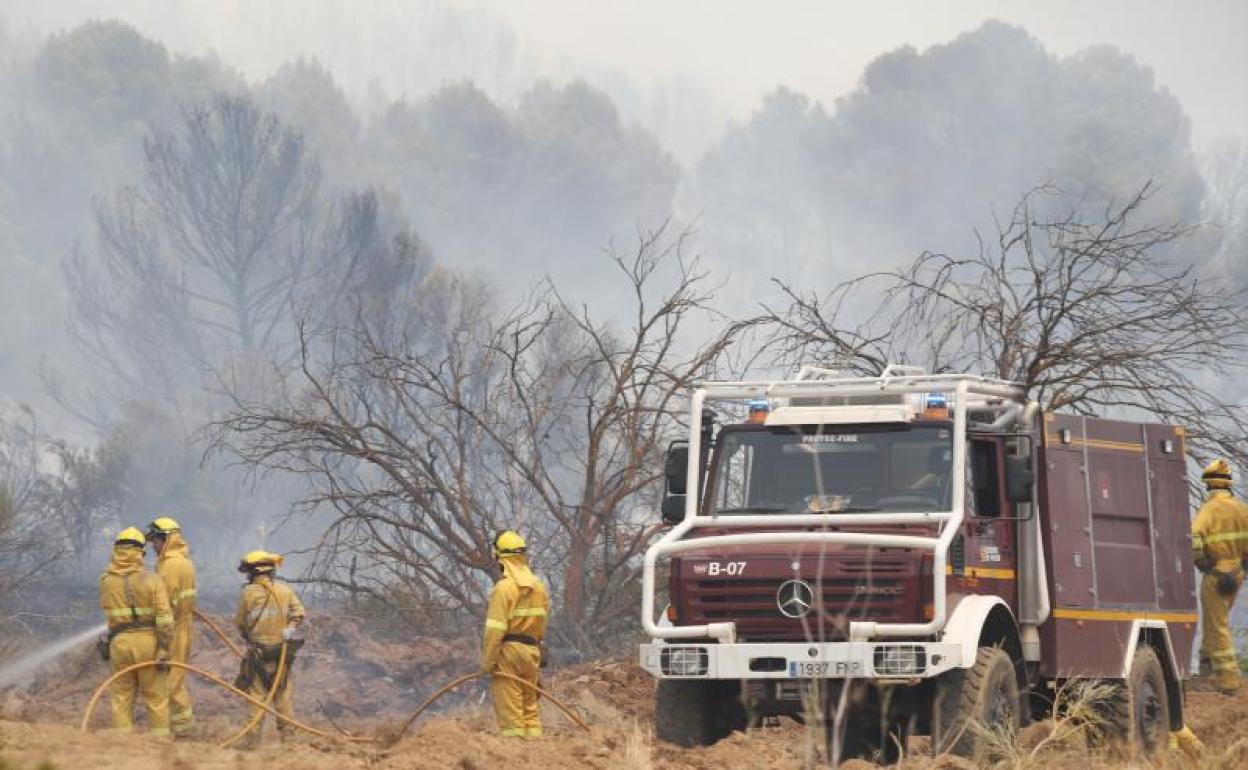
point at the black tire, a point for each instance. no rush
(968, 700)
(867, 732)
(689, 712)
(1139, 714)
(872, 739)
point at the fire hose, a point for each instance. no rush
(207, 621)
(265, 706)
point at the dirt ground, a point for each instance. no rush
(367, 687)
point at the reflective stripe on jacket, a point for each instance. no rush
(176, 570)
(265, 608)
(129, 593)
(518, 605)
(1220, 530)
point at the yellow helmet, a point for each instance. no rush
(508, 543)
(1217, 475)
(130, 537)
(162, 527)
(259, 561)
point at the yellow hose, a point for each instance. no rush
(221, 634)
(211, 677)
(477, 675)
(259, 715)
(95, 697)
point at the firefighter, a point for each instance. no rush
(269, 615)
(515, 624)
(1219, 545)
(140, 629)
(173, 564)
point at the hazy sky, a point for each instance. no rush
(737, 50)
(1197, 48)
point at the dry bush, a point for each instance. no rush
(1080, 722)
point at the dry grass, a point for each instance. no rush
(638, 749)
(1078, 730)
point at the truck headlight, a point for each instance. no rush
(899, 660)
(684, 661)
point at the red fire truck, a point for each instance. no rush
(915, 554)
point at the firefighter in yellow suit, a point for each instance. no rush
(173, 564)
(1219, 545)
(268, 617)
(515, 624)
(140, 628)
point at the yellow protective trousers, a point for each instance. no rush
(126, 649)
(283, 703)
(181, 716)
(515, 705)
(1216, 644)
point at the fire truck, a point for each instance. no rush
(915, 554)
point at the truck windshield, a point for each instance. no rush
(823, 469)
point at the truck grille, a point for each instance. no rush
(881, 590)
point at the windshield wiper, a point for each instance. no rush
(752, 509)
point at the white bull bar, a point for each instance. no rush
(961, 386)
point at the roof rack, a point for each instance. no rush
(896, 378)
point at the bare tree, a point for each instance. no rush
(429, 432)
(1226, 208)
(196, 269)
(81, 500)
(22, 551)
(1088, 316)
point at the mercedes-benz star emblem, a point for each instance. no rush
(795, 599)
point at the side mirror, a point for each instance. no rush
(673, 509)
(1019, 478)
(676, 469)
(676, 476)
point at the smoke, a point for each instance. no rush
(437, 138)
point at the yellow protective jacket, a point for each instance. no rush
(1220, 531)
(130, 594)
(519, 604)
(265, 608)
(176, 570)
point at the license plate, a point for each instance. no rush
(808, 669)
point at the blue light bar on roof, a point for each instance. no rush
(936, 401)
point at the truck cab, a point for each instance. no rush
(870, 554)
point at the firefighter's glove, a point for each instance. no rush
(162, 662)
(1203, 563)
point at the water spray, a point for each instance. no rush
(29, 664)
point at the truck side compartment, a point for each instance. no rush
(1113, 497)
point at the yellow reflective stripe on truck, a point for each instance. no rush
(995, 573)
(1124, 615)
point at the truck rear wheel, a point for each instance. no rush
(1139, 714)
(970, 700)
(689, 712)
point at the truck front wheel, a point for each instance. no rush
(969, 701)
(689, 712)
